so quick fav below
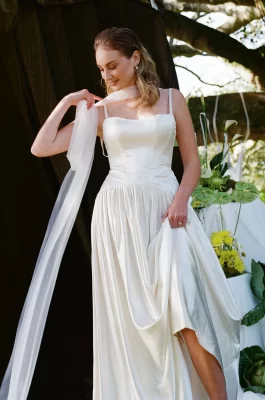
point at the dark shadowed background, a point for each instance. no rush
(46, 52)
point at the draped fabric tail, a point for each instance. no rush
(18, 376)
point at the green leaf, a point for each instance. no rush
(255, 315)
(255, 389)
(246, 362)
(245, 192)
(202, 102)
(205, 195)
(216, 160)
(257, 280)
(223, 198)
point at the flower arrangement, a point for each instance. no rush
(215, 185)
(228, 253)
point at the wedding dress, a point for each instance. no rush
(149, 281)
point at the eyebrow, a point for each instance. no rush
(108, 63)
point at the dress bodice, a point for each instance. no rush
(139, 146)
(140, 150)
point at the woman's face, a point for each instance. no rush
(117, 70)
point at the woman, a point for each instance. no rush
(165, 322)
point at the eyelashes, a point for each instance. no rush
(112, 68)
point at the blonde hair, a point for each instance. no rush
(126, 42)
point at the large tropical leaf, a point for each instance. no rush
(204, 195)
(223, 198)
(257, 280)
(255, 315)
(245, 192)
(247, 361)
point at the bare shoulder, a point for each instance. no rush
(180, 108)
(177, 96)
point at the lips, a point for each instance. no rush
(113, 83)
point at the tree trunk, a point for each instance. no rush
(230, 107)
(213, 42)
(250, 3)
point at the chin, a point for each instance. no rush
(115, 87)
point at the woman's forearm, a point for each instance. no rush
(48, 131)
(190, 179)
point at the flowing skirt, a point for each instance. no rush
(149, 282)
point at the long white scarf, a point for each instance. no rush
(19, 373)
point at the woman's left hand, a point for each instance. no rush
(177, 213)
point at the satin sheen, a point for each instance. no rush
(150, 281)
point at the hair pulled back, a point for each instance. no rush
(126, 42)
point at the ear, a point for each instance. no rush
(136, 57)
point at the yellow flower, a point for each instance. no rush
(228, 240)
(226, 249)
(221, 237)
(196, 204)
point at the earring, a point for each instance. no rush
(136, 67)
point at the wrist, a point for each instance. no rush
(66, 101)
(182, 194)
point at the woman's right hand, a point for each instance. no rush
(84, 94)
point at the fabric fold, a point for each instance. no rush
(18, 376)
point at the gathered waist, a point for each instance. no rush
(158, 176)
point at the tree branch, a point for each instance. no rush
(206, 83)
(213, 42)
(239, 15)
(185, 50)
(227, 8)
(251, 3)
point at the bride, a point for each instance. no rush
(165, 324)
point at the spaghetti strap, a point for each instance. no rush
(170, 100)
(106, 111)
(102, 145)
(101, 138)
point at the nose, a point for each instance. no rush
(106, 75)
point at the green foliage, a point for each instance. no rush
(245, 192)
(223, 198)
(257, 284)
(252, 369)
(215, 185)
(255, 315)
(203, 197)
(257, 280)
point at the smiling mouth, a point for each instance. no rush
(112, 83)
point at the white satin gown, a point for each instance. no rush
(150, 281)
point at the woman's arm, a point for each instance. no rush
(178, 209)
(49, 140)
(187, 145)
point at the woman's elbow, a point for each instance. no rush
(37, 151)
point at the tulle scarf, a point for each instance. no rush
(19, 373)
